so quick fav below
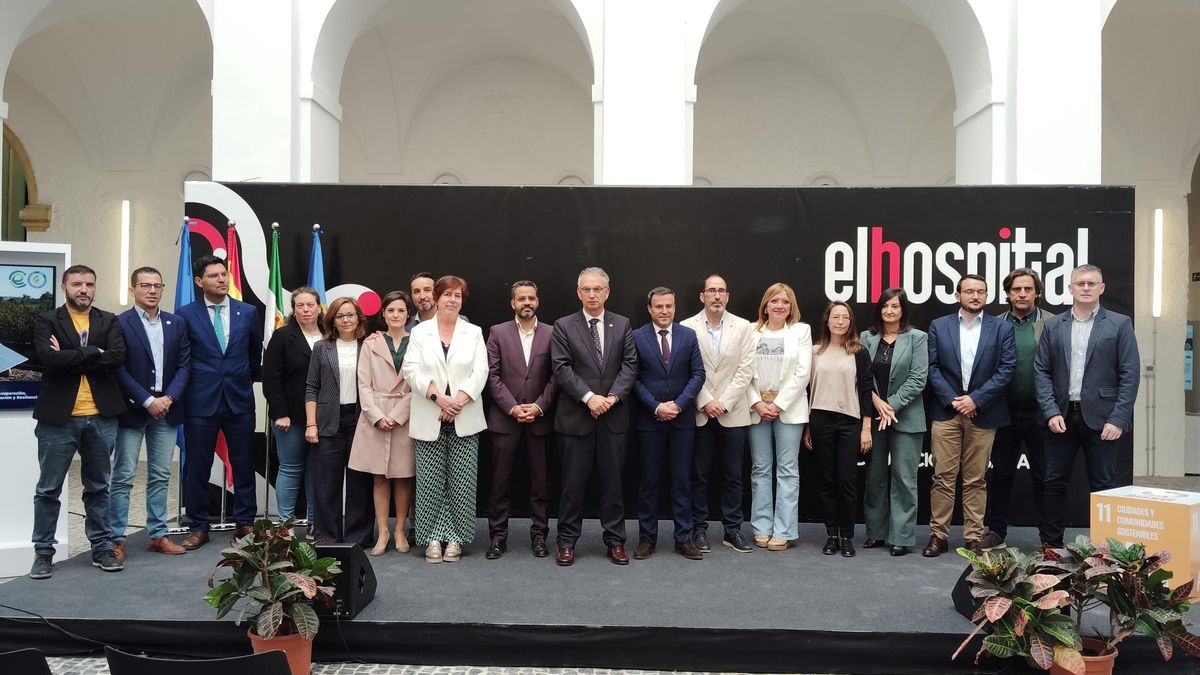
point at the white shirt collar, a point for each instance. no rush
(587, 318)
(224, 302)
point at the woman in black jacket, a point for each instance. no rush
(285, 365)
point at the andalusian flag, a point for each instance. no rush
(274, 319)
(316, 266)
(231, 261)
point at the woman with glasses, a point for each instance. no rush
(779, 409)
(331, 413)
(899, 367)
(285, 369)
(839, 428)
(382, 446)
(446, 366)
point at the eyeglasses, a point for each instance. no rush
(344, 317)
(716, 291)
(973, 291)
(597, 290)
(1085, 284)
(146, 287)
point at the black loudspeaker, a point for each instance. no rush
(354, 588)
(964, 602)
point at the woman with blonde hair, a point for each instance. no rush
(779, 407)
(839, 429)
(382, 446)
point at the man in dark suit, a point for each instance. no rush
(523, 390)
(1026, 428)
(1086, 373)
(972, 356)
(157, 364)
(226, 338)
(595, 365)
(80, 349)
(670, 374)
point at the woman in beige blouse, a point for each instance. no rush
(839, 422)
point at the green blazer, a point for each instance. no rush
(906, 386)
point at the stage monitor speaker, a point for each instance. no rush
(354, 588)
(964, 602)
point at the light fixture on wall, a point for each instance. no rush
(1156, 297)
(122, 282)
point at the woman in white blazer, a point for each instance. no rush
(446, 366)
(778, 398)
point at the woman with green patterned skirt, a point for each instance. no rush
(446, 366)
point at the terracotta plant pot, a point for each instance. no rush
(1093, 665)
(297, 649)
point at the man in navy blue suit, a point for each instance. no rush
(972, 357)
(226, 339)
(1086, 373)
(157, 363)
(670, 374)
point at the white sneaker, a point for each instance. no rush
(433, 552)
(453, 552)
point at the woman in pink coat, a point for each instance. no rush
(382, 446)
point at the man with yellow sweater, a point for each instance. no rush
(80, 349)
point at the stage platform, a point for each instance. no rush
(794, 611)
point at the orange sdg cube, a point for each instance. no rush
(1159, 520)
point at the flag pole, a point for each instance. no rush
(183, 280)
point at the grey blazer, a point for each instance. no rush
(906, 383)
(323, 385)
(1111, 370)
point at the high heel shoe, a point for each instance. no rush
(380, 545)
(401, 543)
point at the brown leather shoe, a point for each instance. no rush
(566, 556)
(165, 545)
(118, 549)
(644, 550)
(195, 540)
(688, 550)
(617, 555)
(935, 547)
(242, 530)
(973, 546)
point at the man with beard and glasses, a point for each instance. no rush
(972, 356)
(523, 391)
(81, 348)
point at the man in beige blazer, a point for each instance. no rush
(722, 412)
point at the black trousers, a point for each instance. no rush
(604, 452)
(504, 450)
(351, 521)
(1100, 457)
(1029, 429)
(728, 445)
(674, 448)
(835, 440)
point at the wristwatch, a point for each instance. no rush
(433, 397)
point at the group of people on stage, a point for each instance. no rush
(367, 413)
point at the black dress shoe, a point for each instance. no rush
(497, 549)
(847, 547)
(898, 551)
(736, 541)
(874, 543)
(700, 541)
(831, 546)
(540, 550)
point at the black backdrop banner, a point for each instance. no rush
(827, 243)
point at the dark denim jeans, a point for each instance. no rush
(1027, 429)
(93, 437)
(1101, 460)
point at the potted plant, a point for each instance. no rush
(1022, 605)
(275, 579)
(1133, 585)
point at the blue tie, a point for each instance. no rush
(219, 326)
